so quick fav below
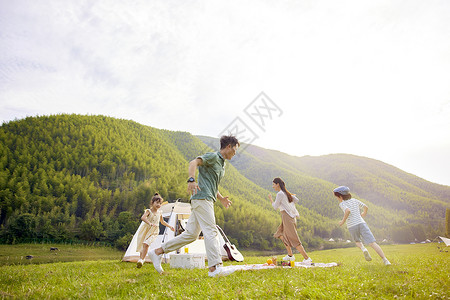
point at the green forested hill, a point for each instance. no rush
(402, 206)
(380, 183)
(73, 177)
(90, 177)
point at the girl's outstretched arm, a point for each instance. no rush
(145, 219)
(346, 214)
(161, 219)
(364, 213)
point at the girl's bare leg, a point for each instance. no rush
(144, 251)
(377, 249)
(360, 245)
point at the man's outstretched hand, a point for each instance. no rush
(193, 188)
(225, 202)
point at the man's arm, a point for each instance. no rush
(193, 186)
(224, 200)
(193, 164)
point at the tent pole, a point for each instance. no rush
(165, 232)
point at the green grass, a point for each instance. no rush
(418, 271)
(16, 254)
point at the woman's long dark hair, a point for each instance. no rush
(279, 181)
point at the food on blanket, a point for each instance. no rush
(274, 260)
(284, 263)
(269, 261)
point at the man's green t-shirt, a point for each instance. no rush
(209, 175)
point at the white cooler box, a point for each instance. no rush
(187, 261)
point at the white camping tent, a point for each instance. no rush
(445, 240)
(176, 214)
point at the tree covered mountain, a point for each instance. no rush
(403, 206)
(90, 177)
(67, 177)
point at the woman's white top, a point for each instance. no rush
(282, 202)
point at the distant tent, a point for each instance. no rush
(176, 215)
(445, 240)
(331, 240)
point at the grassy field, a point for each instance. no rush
(17, 254)
(418, 271)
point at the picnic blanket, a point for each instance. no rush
(234, 268)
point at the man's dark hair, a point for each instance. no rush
(226, 140)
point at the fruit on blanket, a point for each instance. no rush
(269, 261)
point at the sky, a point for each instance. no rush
(306, 77)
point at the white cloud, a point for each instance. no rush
(374, 72)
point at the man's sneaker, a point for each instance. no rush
(289, 258)
(156, 260)
(386, 262)
(307, 260)
(139, 263)
(367, 255)
(221, 271)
